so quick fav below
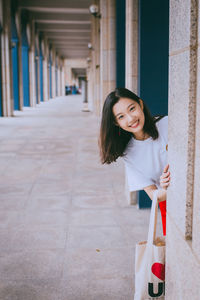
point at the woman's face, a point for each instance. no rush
(129, 116)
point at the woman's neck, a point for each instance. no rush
(141, 136)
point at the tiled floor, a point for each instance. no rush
(66, 230)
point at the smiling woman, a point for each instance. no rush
(121, 110)
(128, 130)
(130, 117)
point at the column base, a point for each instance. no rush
(85, 106)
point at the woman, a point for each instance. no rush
(128, 130)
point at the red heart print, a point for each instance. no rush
(158, 270)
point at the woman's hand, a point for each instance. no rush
(162, 195)
(165, 178)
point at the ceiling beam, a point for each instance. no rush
(61, 21)
(56, 9)
(64, 26)
(55, 4)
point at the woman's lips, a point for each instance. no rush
(134, 125)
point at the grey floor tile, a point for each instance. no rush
(28, 239)
(78, 288)
(98, 263)
(95, 201)
(93, 217)
(95, 237)
(30, 290)
(50, 203)
(36, 265)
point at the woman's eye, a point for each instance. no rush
(120, 117)
(132, 108)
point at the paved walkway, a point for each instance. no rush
(66, 230)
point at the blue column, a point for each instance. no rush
(120, 42)
(50, 78)
(41, 67)
(56, 80)
(36, 80)
(41, 77)
(25, 75)
(15, 74)
(153, 61)
(15, 64)
(36, 74)
(25, 58)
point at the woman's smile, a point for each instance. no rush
(134, 125)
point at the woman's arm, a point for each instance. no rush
(162, 193)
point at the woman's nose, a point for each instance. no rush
(129, 118)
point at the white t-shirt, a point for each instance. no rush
(145, 160)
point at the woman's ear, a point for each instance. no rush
(141, 104)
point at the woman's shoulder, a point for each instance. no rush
(128, 149)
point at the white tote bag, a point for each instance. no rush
(150, 262)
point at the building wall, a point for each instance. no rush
(183, 203)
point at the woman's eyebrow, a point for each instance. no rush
(118, 114)
(127, 108)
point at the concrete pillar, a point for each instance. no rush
(85, 95)
(32, 87)
(91, 68)
(196, 201)
(90, 84)
(45, 71)
(94, 65)
(131, 80)
(97, 67)
(107, 48)
(7, 95)
(132, 45)
(68, 72)
(38, 68)
(62, 79)
(19, 31)
(183, 202)
(59, 88)
(60, 71)
(53, 73)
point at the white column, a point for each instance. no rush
(38, 66)
(132, 45)
(53, 73)
(183, 203)
(62, 79)
(97, 67)
(107, 48)
(131, 65)
(19, 29)
(6, 62)
(94, 65)
(45, 71)
(59, 89)
(32, 87)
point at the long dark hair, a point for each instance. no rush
(112, 144)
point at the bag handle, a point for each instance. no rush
(153, 219)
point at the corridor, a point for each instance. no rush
(67, 231)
